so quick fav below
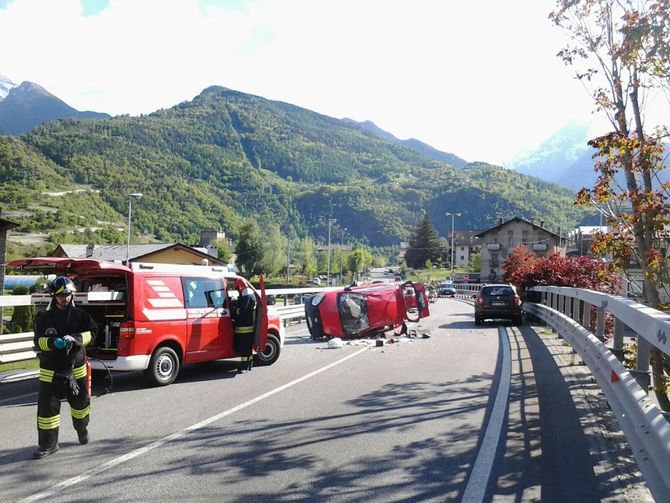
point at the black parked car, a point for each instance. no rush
(498, 302)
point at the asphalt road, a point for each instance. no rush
(469, 414)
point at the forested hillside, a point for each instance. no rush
(226, 156)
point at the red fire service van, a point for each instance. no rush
(157, 317)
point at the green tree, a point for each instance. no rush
(249, 249)
(223, 252)
(274, 252)
(307, 257)
(621, 52)
(423, 245)
(359, 260)
(23, 317)
(475, 264)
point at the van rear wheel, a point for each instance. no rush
(163, 367)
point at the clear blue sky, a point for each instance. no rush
(478, 78)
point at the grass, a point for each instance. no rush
(22, 365)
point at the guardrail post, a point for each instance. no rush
(617, 342)
(576, 306)
(586, 316)
(641, 372)
(568, 306)
(600, 324)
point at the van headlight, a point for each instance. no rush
(316, 299)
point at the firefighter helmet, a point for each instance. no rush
(62, 285)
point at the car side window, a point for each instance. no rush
(199, 291)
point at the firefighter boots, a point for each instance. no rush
(41, 453)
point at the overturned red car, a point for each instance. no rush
(361, 311)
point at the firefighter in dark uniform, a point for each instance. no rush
(243, 316)
(61, 334)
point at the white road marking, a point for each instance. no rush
(481, 471)
(158, 443)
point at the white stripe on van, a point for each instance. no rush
(165, 302)
(164, 314)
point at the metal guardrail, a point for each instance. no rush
(568, 311)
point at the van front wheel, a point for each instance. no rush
(270, 353)
(163, 367)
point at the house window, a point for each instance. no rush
(524, 237)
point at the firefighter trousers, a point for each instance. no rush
(48, 410)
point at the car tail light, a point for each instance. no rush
(480, 299)
(127, 330)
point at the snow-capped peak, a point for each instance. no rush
(5, 86)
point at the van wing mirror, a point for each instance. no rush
(271, 300)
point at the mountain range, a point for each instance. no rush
(27, 105)
(564, 158)
(226, 156)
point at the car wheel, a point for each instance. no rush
(518, 320)
(163, 367)
(478, 320)
(270, 353)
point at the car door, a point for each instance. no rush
(261, 325)
(209, 326)
(415, 301)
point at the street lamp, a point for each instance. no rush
(452, 215)
(331, 221)
(342, 230)
(130, 210)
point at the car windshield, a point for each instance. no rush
(504, 291)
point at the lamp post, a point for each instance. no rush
(130, 210)
(452, 215)
(342, 250)
(331, 221)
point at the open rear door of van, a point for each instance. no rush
(65, 266)
(261, 330)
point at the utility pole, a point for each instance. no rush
(452, 215)
(331, 221)
(130, 210)
(288, 260)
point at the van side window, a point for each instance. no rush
(198, 290)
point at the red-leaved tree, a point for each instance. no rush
(524, 269)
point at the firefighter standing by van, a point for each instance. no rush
(61, 334)
(243, 316)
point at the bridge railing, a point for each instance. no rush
(569, 312)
